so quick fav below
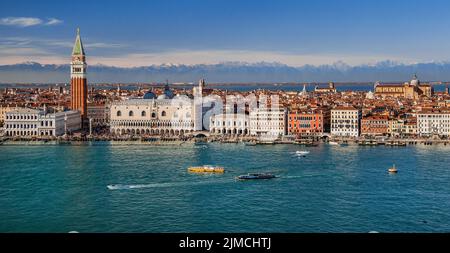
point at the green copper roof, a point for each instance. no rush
(78, 47)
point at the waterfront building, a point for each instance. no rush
(78, 81)
(375, 125)
(230, 124)
(433, 123)
(98, 114)
(305, 122)
(33, 122)
(345, 121)
(268, 122)
(412, 90)
(395, 127)
(410, 128)
(329, 89)
(165, 114)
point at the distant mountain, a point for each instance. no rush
(32, 72)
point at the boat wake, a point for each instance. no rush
(290, 177)
(158, 185)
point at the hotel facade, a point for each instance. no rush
(433, 123)
(268, 122)
(305, 123)
(345, 121)
(375, 125)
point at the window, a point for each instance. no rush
(119, 113)
(130, 113)
(163, 114)
(153, 115)
(143, 114)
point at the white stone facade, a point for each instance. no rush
(268, 122)
(433, 123)
(156, 116)
(32, 122)
(345, 121)
(230, 123)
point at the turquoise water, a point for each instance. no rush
(51, 188)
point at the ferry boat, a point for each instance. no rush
(251, 176)
(393, 169)
(206, 169)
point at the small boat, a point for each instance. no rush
(251, 176)
(302, 152)
(206, 169)
(333, 143)
(393, 169)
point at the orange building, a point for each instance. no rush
(78, 81)
(375, 125)
(305, 122)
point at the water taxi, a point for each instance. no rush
(251, 176)
(393, 169)
(206, 169)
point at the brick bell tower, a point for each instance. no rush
(78, 81)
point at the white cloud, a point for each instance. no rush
(28, 21)
(102, 45)
(20, 21)
(53, 21)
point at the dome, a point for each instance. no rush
(162, 96)
(415, 81)
(168, 93)
(370, 95)
(149, 95)
(181, 96)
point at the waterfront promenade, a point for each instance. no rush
(251, 140)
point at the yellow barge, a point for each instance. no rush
(206, 169)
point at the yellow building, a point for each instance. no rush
(329, 89)
(3, 110)
(413, 89)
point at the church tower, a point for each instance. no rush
(78, 82)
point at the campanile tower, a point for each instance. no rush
(78, 82)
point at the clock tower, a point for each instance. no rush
(78, 82)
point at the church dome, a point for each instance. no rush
(149, 95)
(162, 96)
(415, 81)
(168, 93)
(181, 96)
(370, 95)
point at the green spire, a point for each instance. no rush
(78, 47)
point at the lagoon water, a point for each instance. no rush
(61, 188)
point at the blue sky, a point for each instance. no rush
(135, 33)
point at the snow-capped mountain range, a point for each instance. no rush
(229, 72)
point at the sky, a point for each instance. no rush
(296, 33)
